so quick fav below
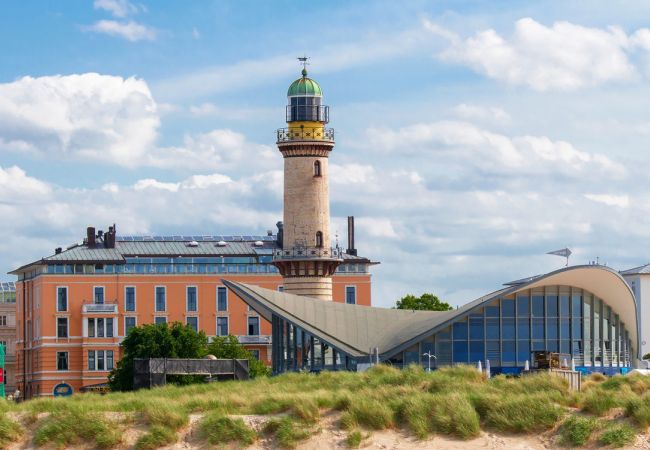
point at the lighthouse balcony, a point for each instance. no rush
(305, 134)
(301, 253)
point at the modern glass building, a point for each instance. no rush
(588, 312)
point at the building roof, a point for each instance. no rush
(304, 86)
(7, 286)
(170, 246)
(641, 270)
(356, 329)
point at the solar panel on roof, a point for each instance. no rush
(177, 238)
(227, 238)
(168, 238)
(250, 238)
(147, 238)
(158, 238)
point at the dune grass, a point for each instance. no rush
(454, 401)
(618, 435)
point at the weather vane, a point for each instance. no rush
(303, 61)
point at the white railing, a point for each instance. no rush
(104, 308)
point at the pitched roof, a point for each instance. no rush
(644, 269)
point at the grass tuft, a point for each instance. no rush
(288, 432)
(518, 413)
(10, 431)
(369, 413)
(164, 414)
(158, 436)
(354, 439)
(76, 425)
(599, 401)
(219, 429)
(618, 435)
(576, 431)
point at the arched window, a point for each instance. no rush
(317, 172)
(319, 239)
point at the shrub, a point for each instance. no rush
(10, 431)
(219, 429)
(158, 436)
(354, 439)
(618, 435)
(76, 425)
(576, 431)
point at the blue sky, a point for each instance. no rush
(472, 136)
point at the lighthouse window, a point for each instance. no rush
(317, 171)
(319, 239)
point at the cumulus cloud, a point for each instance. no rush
(131, 30)
(564, 56)
(489, 114)
(86, 116)
(117, 8)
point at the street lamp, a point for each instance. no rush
(429, 355)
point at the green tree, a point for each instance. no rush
(228, 347)
(156, 341)
(425, 302)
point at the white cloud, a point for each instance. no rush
(488, 114)
(131, 30)
(564, 56)
(86, 116)
(118, 8)
(622, 201)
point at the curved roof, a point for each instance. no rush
(304, 86)
(356, 329)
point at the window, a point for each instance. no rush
(62, 298)
(222, 326)
(253, 326)
(280, 288)
(351, 295)
(161, 303)
(61, 360)
(100, 327)
(319, 239)
(3, 321)
(62, 327)
(160, 319)
(129, 298)
(100, 360)
(91, 359)
(255, 354)
(190, 298)
(129, 322)
(99, 295)
(109, 359)
(193, 322)
(222, 298)
(317, 169)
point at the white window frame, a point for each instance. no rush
(96, 359)
(353, 286)
(103, 294)
(159, 317)
(136, 322)
(67, 326)
(198, 325)
(135, 299)
(67, 298)
(155, 298)
(217, 325)
(187, 298)
(217, 299)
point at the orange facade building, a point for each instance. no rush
(75, 307)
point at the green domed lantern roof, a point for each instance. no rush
(304, 86)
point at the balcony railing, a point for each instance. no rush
(259, 339)
(308, 252)
(305, 134)
(103, 308)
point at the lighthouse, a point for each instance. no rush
(306, 259)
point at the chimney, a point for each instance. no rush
(58, 250)
(90, 237)
(109, 237)
(351, 250)
(280, 226)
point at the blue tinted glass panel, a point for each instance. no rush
(538, 328)
(492, 328)
(564, 305)
(443, 352)
(538, 345)
(551, 329)
(551, 305)
(508, 352)
(538, 305)
(493, 353)
(445, 333)
(492, 310)
(130, 299)
(507, 307)
(565, 346)
(508, 328)
(476, 351)
(552, 346)
(476, 329)
(523, 305)
(460, 330)
(576, 305)
(564, 329)
(577, 328)
(523, 328)
(461, 353)
(523, 352)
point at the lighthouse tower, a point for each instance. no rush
(307, 260)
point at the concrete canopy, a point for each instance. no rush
(356, 329)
